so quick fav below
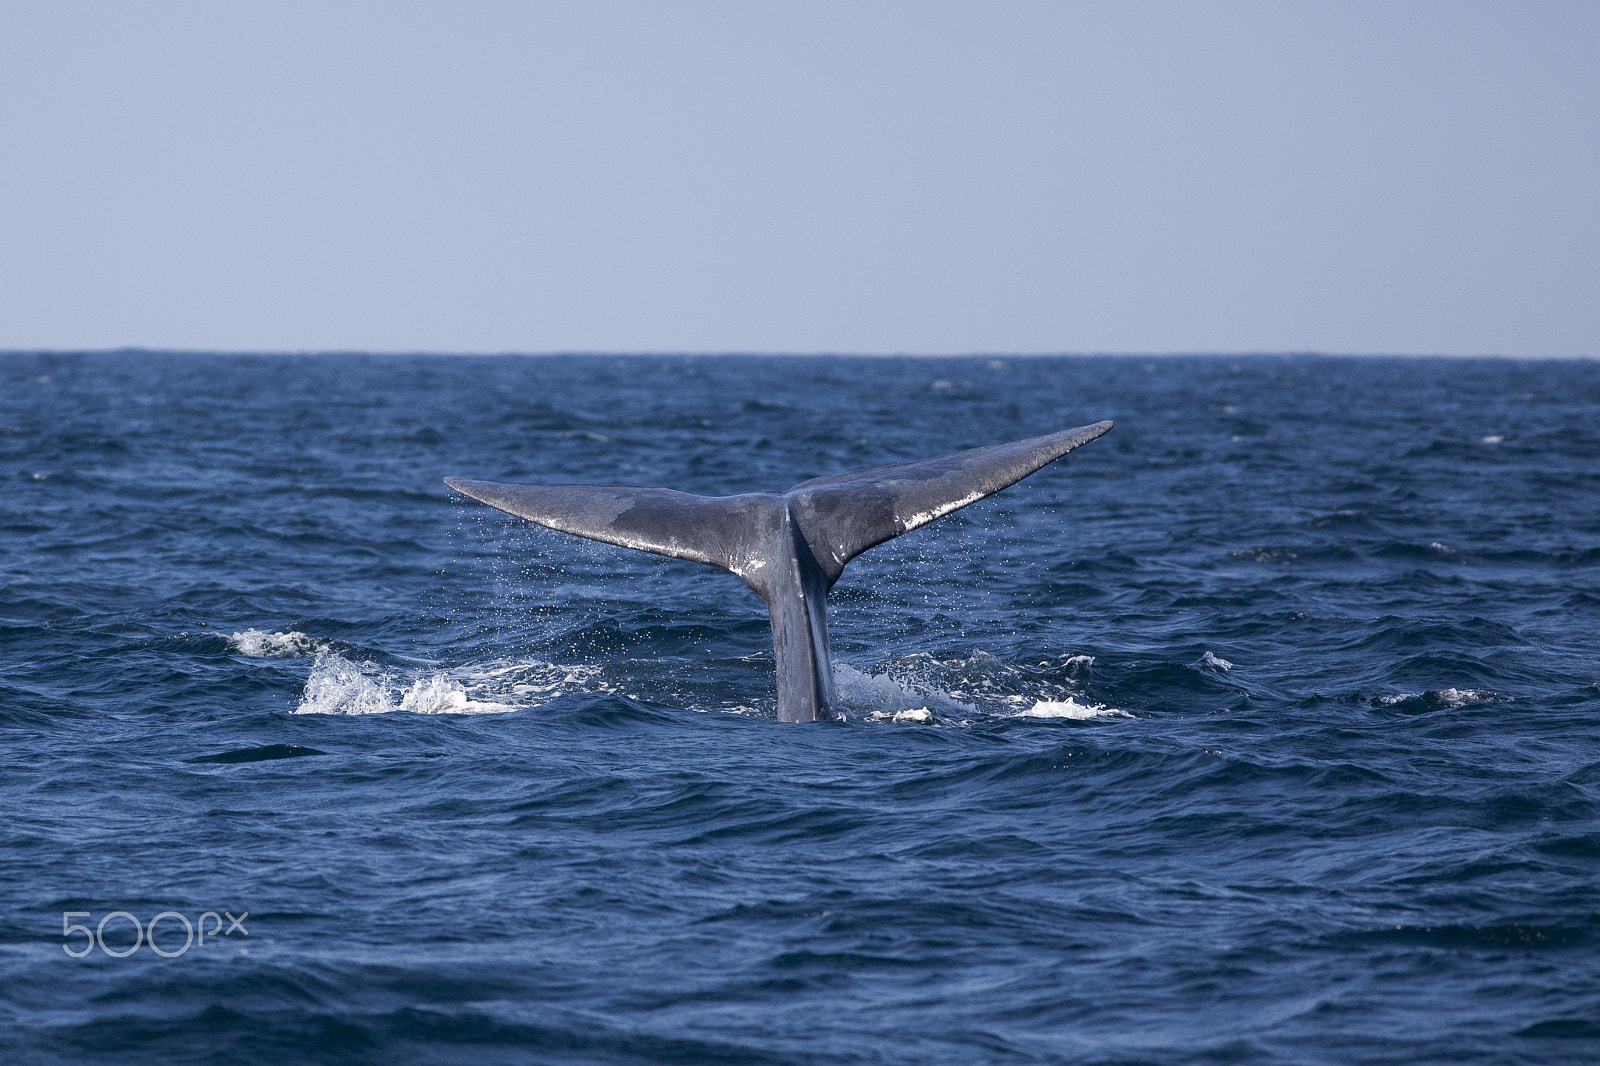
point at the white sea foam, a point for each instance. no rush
(291, 645)
(1448, 697)
(440, 695)
(917, 690)
(339, 686)
(915, 715)
(1211, 661)
(1071, 708)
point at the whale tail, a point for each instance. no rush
(790, 547)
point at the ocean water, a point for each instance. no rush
(1265, 729)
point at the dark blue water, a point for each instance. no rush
(1264, 730)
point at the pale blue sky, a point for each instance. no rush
(986, 177)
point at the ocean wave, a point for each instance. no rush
(923, 689)
(1437, 699)
(1278, 555)
(291, 645)
(1210, 661)
(879, 697)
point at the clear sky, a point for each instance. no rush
(855, 177)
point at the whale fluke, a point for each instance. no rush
(790, 547)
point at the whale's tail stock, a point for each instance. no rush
(790, 547)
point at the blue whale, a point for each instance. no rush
(790, 547)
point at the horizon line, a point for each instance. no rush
(1302, 353)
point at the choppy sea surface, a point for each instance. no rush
(1265, 729)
